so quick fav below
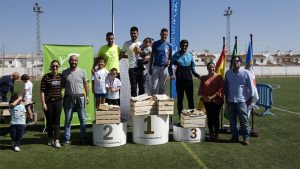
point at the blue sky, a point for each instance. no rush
(275, 24)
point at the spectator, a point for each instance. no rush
(51, 96)
(7, 84)
(76, 83)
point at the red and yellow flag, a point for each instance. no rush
(220, 65)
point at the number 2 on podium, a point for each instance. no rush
(148, 121)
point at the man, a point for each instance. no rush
(185, 64)
(159, 62)
(111, 53)
(136, 77)
(7, 84)
(239, 92)
(76, 83)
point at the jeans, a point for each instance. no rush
(137, 79)
(53, 118)
(238, 110)
(74, 104)
(16, 133)
(159, 78)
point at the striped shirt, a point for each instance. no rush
(51, 85)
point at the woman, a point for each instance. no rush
(211, 91)
(51, 97)
(185, 69)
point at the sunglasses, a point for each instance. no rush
(236, 61)
(54, 66)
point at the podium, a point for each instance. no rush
(190, 135)
(110, 135)
(150, 129)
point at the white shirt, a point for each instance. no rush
(28, 91)
(128, 47)
(115, 84)
(99, 81)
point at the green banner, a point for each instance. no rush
(85, 61)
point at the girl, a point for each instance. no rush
(17, 121)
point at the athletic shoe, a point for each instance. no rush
(57, 144)
(50, 142)
(17, 149)
(66, 142)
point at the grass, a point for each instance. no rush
(276, 147)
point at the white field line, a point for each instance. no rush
(285, 110)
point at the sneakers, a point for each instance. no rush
(50, 142)
(66, 142)
(246, 142)
(57, 144)
(17, 149)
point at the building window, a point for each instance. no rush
(10, 62)
(196, 60)
(261, 60)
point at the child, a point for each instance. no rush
(113, 85)
(98, 81)
(17, 121)
(145, 54)
(27, 97)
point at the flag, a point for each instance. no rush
(234, 52)
(249, 57)
(249, 66)
(220, 65)
(174, 35)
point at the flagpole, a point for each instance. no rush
(112, 17)
(253, 133)
(222, 115)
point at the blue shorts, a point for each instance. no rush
(100, 95)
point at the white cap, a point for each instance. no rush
(74, 54)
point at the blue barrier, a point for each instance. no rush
(265, 97)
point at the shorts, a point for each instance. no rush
(97, 95)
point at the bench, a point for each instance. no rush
(265, 98)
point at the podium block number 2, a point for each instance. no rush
(110, 129)
(148, 121)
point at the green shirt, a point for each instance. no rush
(111, 55)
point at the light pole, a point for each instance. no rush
(38, 10)
(227, 13)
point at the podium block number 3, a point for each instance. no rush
(110, 129)
(194, 133)
(148, 121)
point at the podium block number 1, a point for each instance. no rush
(110, 129)
(148, 121)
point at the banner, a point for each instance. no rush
(174, 36)
(85, 61)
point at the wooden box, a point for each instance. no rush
(144, 107)
(165, 106)
(108, 117)
(193, 118)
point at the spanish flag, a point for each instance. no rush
(220, 65)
